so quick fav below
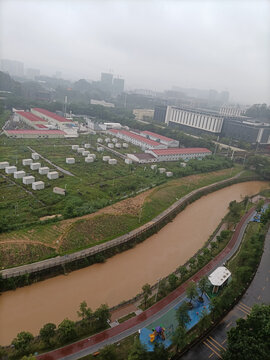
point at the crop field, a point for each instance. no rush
(93, 185)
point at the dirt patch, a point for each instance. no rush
(49, 217)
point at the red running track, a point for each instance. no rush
(95, 339)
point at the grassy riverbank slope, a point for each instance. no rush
(42, 241)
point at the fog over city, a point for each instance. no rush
(222, 45)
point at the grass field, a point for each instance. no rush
(73, 234)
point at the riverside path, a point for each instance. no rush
(92, 344)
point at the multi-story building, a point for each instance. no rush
(227, 110)
(106, 82)
(118, 86)
(12, 67)
(251, 132)
(160, 113)
(141, 114)
(197, 119)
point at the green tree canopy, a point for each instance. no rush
(67, 331)
(182, 315)
(146, 293)
(191, 291)
(23, 340)
(138, 351)
(250, 337)
(47, 332)
(108, 353)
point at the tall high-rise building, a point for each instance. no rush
(106, 82)
(12, 67)
(118, 86)
(32, 73)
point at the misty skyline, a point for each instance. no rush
(222, 45)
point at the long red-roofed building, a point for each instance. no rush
(35, 133)
(175, 154)
(137, 139)
(52, 118)
(160, 138)
(30, 119)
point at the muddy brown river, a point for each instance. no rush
(122, 276)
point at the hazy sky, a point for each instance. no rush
(219, 44)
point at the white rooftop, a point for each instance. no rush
(219, 276)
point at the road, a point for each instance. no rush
(131, 326)
(257, 293)
(51, 163)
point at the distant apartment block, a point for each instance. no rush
(12, 67)
(231, 111)
(141, 114)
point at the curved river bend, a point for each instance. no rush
(122, 276)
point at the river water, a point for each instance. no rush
(122, 276)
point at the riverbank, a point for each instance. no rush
(100, 340)
(55, 299)
(27, 274)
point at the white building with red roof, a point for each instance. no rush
(160, 138)
(35, 134)
(30, 119)
(176, 154)
(136, 139)
(59, 121)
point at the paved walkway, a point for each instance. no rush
(115, 334)
(257, 293)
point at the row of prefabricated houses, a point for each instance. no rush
(29, 179)
(157, 147)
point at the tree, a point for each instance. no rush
(47, 333)
(67, 331)
(191, 291)
(159, 353)
(85, 312)
(250, 337)
(182, 315)
(205, 320)
(108, 353)
(203, 283)
(162, 289)
(179, 337)
(146, 293)
(102, 314)
(259, 205)
(183, 271)
(30, 357)
(138, 351)
(172, 281)
(22, 341)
